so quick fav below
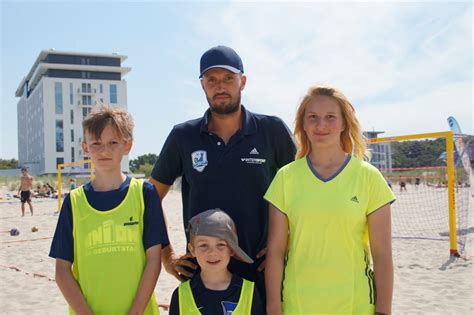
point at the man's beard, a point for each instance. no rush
(225, 109)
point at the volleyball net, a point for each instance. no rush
(431, 187)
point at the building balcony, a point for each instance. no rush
(80, 103)
(86, 91)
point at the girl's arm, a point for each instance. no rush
(70, 288)
(380, 235)
(276, 252)
(148, 280)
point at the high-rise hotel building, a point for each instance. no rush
(55, 97)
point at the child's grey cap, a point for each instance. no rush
(217, 223)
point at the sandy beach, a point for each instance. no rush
(427, 280)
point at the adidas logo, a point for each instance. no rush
(354, 199)
(254, 151)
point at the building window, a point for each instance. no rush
(85, 112)
(72, 154)
(101, 88)
(71, 97)
(86, 88)
(59, 136)
(86, 100)
(72, 135)
(85, 61)
(59, 160)
(113, 94)
(58, 97)
(72, 117)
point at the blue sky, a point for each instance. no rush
(405, 66)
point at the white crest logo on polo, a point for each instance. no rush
(199, 159)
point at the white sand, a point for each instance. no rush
(427, 281)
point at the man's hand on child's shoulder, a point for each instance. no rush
(175, 264)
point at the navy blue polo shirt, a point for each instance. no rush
(233, 176)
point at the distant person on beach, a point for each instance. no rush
(227, 159)
(389, 181)
(26, 186)
(110, 231)
(403, 184)
(417, 181)
(214, 289)
(37, 191)
(325, 209)
(72, 184)
(45, 191)
(50, 188)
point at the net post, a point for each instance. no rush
(61, 166)
(59, 186)
(453, 251)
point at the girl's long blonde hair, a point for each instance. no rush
(352, 140)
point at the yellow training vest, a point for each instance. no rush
(187, 305)
(109, 257)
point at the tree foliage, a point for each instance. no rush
(418, 153)
(145, 169)
(424, 152)
(12, 163)
(142, 160)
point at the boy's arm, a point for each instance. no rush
(148, 280)
(69, 287)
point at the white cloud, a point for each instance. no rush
(422, 114)
(397, 60)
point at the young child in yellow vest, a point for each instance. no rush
(110, 231)
(214, 290)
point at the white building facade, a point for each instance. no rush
(55, 97)
(381, 153)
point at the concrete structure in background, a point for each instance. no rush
(381, 152)
(56, 95)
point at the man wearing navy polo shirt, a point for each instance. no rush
(227, 159)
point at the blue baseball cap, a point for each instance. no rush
(221, 57)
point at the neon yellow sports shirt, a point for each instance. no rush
(328, 264)
(109, 257)
(187, 305)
